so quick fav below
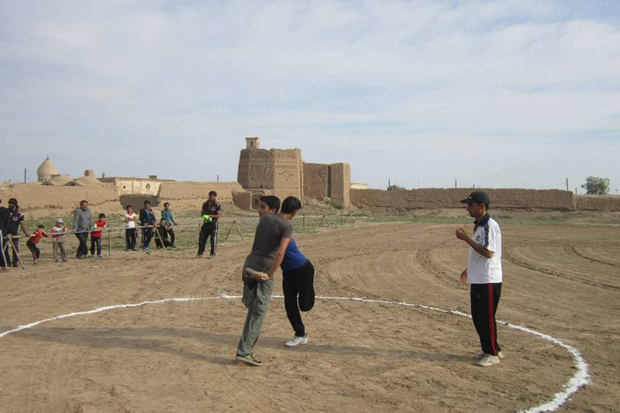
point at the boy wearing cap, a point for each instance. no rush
(484, 274)
(59, 234)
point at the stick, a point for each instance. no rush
(228, 233)
(158, 235)
(6, 263)
(239, 230)
(21, 264)
(109, 243)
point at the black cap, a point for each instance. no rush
(477, 197)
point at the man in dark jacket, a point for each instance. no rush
(211, 213)
(82, 224)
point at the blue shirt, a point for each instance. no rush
(293, 258)
(167, 215)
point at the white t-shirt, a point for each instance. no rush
(482, 270)
(132, 216)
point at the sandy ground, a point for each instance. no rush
(179, 357)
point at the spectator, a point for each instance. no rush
(147, 221)
(82, 223)
(95, 236)
(130, 230)
(59, 235)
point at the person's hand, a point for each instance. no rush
(461, 234)
(463, 277)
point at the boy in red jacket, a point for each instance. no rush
(95, 236)
(33, 242)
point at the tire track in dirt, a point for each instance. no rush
(523, 263)
(572, 250)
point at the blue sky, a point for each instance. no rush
(492, 93)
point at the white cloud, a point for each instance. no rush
(418, 84)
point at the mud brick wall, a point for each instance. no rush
(449, 198)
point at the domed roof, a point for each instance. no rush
(59, 180)
(84, 181)
(47, 170)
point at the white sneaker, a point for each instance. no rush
(297, 341)
(481, 355)
(488, 361)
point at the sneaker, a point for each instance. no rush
(481, 355)
(211, 256)
(198, 256)
(249, 359)
(297, 341)
(99, 256)
(488, 361)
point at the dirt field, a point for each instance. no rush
(362, 357)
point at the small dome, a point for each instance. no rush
(59, 180)
(47, 170)
(84, 181)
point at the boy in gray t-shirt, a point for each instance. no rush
(273, 235)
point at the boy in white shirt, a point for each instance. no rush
(59, 235)
(130, 230)
(484, 274)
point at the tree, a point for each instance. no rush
(596, 186)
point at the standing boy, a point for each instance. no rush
(95, 236)
(82, 223)
(273, 235)
(147, 221)
(59, 234)
(211, 213)
(484, 274)
(130, 229)
(4, 219)
(297, 279)
(168, 217)
(33, 242)
(15, 221)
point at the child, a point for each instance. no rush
(130, 231)
(59, 234)
(33, 242)
(95, 236)
(161, 239)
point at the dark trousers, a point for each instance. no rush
(130, 238)
(208, 229)
(147, 236)
(298, 286)
(484, 302)
(95, 245)
(4, 258)
(82, 250)
(34, 249)
(172, 236)
(3, 251)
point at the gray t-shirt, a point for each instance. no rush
(269, 233)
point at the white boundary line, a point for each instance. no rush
(579, 379)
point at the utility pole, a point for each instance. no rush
(567, 184)
(389, 184)
(25, 172)
(218, 178)
(455, 184)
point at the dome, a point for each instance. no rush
(59, 180)
(47, 170)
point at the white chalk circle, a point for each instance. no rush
(579, 379)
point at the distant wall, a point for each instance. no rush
(449, 198)
(279, 170)
(187, 190)
(328, 180)
(597, 203)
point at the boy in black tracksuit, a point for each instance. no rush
(211, 213)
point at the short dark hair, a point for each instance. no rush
(212, 193)
(166, 203)
(128, 206)
(41, 226)
(13, 201)
(82, 201)
(272, 201)
(147, 202)
(290, 205)
(101, 216)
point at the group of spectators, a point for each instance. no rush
(84, 226)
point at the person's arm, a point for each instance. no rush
(480, 249)
(281, 251)
(22, 225)
(46, 235)
(172, 218)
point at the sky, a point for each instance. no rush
(422, 93)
